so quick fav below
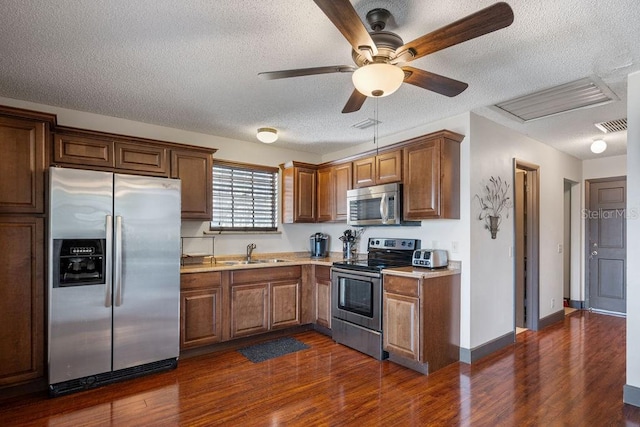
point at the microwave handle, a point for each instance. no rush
(384, 210)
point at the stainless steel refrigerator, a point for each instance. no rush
(114, 277)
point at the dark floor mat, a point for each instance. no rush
(270, 349)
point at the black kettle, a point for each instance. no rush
(319, 245)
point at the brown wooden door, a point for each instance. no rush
(607, 245)
(343, 178)
(305, 195)
(422, 181)
(195, 171)
(21, 299)
(22, 143)
(389, 167)
(325, 195)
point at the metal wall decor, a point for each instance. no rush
(494, 202)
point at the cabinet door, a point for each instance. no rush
(342, 178)
(389, 167)
(422, 181)
(325, 194)
(285, 304)
(401, 329)
(80, 151)
(22, 143)
(249, 309)
(323, 302)
(305, 195)
(21, 302)
(364, 172)
(200, 319)
(194, 170)
(142, 158)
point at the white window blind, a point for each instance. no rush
(244, 197)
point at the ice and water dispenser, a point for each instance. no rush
(78, 262)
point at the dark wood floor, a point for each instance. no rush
(570, 374)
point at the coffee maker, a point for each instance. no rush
(319, 245)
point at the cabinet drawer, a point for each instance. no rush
(200, 280)
(401, 285)
(265, 275)
(83, 151)
(142, 158)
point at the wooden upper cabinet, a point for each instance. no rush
(432, 177)
(23, 145)
(83, 151)
(333, 183)
(389, 167)
(142, 158)
(194, 169)
(384, 168)
(325, 195)
(364, 172)
(342, 181)
(298, 193)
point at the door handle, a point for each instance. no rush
(117, 255)
(108, 285)
(384, 214)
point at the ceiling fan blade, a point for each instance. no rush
(477, 24)
(346, 19)
(355, 102)
(283, 74)
(433, 82)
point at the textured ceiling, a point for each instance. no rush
(194, 64)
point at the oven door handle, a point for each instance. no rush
(354, 273)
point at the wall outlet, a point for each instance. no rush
(553, 303)
(454, 247)
(559, 248)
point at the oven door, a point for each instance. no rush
(357, 297)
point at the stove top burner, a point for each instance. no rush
(383, 253)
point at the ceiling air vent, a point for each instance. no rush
(611, 126)
(367, 123)
(583, 93)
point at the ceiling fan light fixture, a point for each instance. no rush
(598, 146)
(267, 135)
(378, 80)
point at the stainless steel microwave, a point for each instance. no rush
(377, 205)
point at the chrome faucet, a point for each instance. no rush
(250, 248)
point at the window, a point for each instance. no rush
(245, 197)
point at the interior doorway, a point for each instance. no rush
(606, 241)
(527, 242)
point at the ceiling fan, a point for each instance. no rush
(380, 55)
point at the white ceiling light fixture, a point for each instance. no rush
(267, 135)
(378, 79)
(598, 146)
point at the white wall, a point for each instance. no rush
(493, 148)
(604, 167)
(633, 231)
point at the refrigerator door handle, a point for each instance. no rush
(117, 259)
(109, 257)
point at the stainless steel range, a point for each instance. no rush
(357, 293)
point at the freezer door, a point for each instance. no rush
(146, 324)
(79, 316)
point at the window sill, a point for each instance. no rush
(217, 233)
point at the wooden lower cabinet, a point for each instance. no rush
(200, 309)
(323, 296)
(21, 300)
(421, 328)
(249, 309)
(264, 299)
(284, 304)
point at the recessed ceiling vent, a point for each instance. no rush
(367, 123)
(583, 93)
(611, 126)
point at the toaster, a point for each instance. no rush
(430, 258)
